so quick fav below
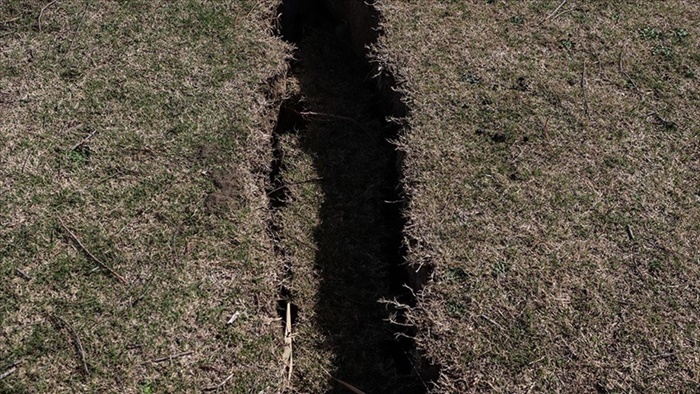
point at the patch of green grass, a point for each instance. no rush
(663, 51)
(680, 34)
(566, 44)
(651, 33)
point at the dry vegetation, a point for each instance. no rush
(551, 163)
(141, 128)
(553, 167)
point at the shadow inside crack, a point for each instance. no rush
(359, 236)
(359, 259)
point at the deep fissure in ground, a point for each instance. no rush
(339, 117)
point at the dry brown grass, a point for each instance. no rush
(167, 190)
(560, 209)
(551, 163)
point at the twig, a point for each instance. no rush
(76, 341)
(495, 323)
(583, 87)
(623, 72)
(9, 21)
(23, 274)
(555, 11)
(349, 386)
(92, 256)
(398, 305)
(399, 335)
(561, 13)
(24, 165)
(392, 320)
(220, 385)
(419, 374)
(77, 28)
(545, 129)
(664, 355)
(41, 13)
(294, 183)
(409, 288)
(108, 177)
(336, 117)
(8, 372)
(234, 317)
(661, 121)
(344, 383)
(305, 243)
(171, 357)
(84, 140)
(287, 356)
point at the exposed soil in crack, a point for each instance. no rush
(337, 118)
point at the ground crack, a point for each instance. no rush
(338, 118)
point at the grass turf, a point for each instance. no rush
(552, 163)
(143, 127)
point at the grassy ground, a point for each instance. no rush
(553, 164)
(139, 129)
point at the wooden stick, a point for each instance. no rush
(555, 11)
(41, 13)
(22, 274)
(349, 386)
(8, 373)
(24, 165)
(220, 385)
(561, 13)
(490, 320)
(344, 383)
(75, 32)
(9, 21)
(294, 183)
(84, 140)
(172, 357)
(288, 340)
(92, 256)
(76, 341)
(583, 87)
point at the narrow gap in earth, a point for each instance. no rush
(340, 115)
(289, 119)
